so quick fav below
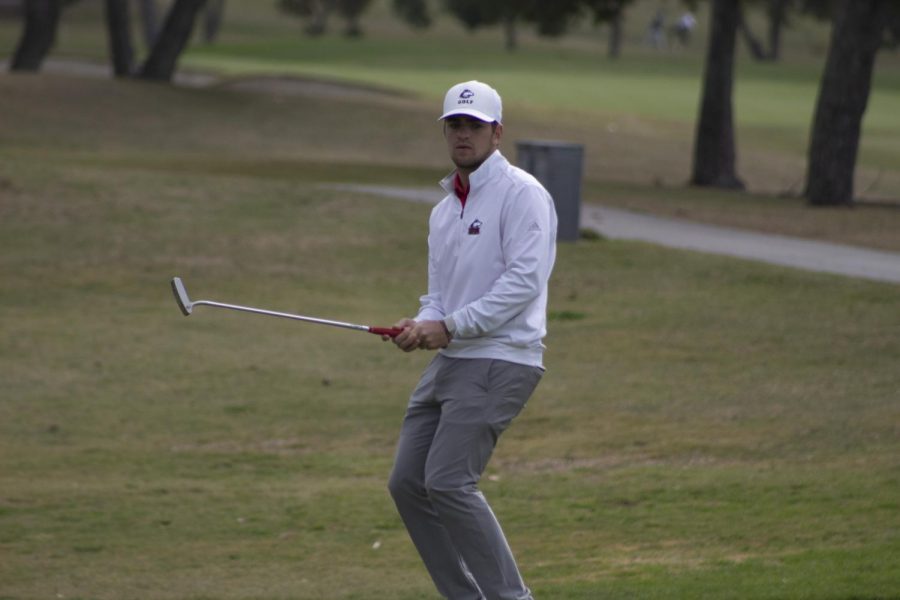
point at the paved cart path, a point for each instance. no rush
(614, 223)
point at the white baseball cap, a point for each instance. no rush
(474, 99)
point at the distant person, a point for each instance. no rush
(491, 248)
(656, 31)
(684, 27)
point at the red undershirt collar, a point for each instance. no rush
(462, 192)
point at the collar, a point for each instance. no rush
(462, 192)
(477, 177)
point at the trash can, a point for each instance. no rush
(558, 166)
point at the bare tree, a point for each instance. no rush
(318, 12)
(414, 12)
(212, 20)
(510, 31)
(351, 11)
(612, 12)
(118, 26)
(38, 35)
(614, 50)
(777, 12)
(172, 40)
(857, 34)
(714, 146)
(757, 50)
(149, 21)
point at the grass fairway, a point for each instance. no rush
(635, 116)
(707, 428)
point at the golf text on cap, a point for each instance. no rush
(473, 99)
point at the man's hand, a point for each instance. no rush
(424, 335)
(404, 337)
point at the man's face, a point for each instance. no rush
(470, 141)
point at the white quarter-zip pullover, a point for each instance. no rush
(489, 263)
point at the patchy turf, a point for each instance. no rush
(706, 428)
(386, 139)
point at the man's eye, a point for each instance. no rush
(458, 125)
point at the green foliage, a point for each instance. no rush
(414, 12)
(306, 8)
(553, 18)
(821, 9)
(827, 9)
(607, 10)
(892, 27)
(550, 18)
(318, 11)
(302, 8)
(477, 13)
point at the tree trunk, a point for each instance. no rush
(149, 22)
(615, 36)
(318, 21)
(777, 18)
(714, 148)
(118, 26)
(843, 96)
(509, 30)
(212, 20)
(173, 38)
(757, 51)
(38, 35)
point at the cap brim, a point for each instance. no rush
(468, 112)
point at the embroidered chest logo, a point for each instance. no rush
(475, 227)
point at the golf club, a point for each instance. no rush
(187, 307)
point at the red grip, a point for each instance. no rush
(389, 331)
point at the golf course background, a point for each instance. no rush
(706, 428)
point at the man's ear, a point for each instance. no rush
(497, 133)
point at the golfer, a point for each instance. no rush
(491, 248)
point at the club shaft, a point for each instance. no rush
(273, 313)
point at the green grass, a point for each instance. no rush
(395, 140)
(706, 428)
(636, 116)
(640, 96)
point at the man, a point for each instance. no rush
(491, 248)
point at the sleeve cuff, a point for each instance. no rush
(450, 324)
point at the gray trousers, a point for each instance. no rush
(455, 416)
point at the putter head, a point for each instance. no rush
(181, 296)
